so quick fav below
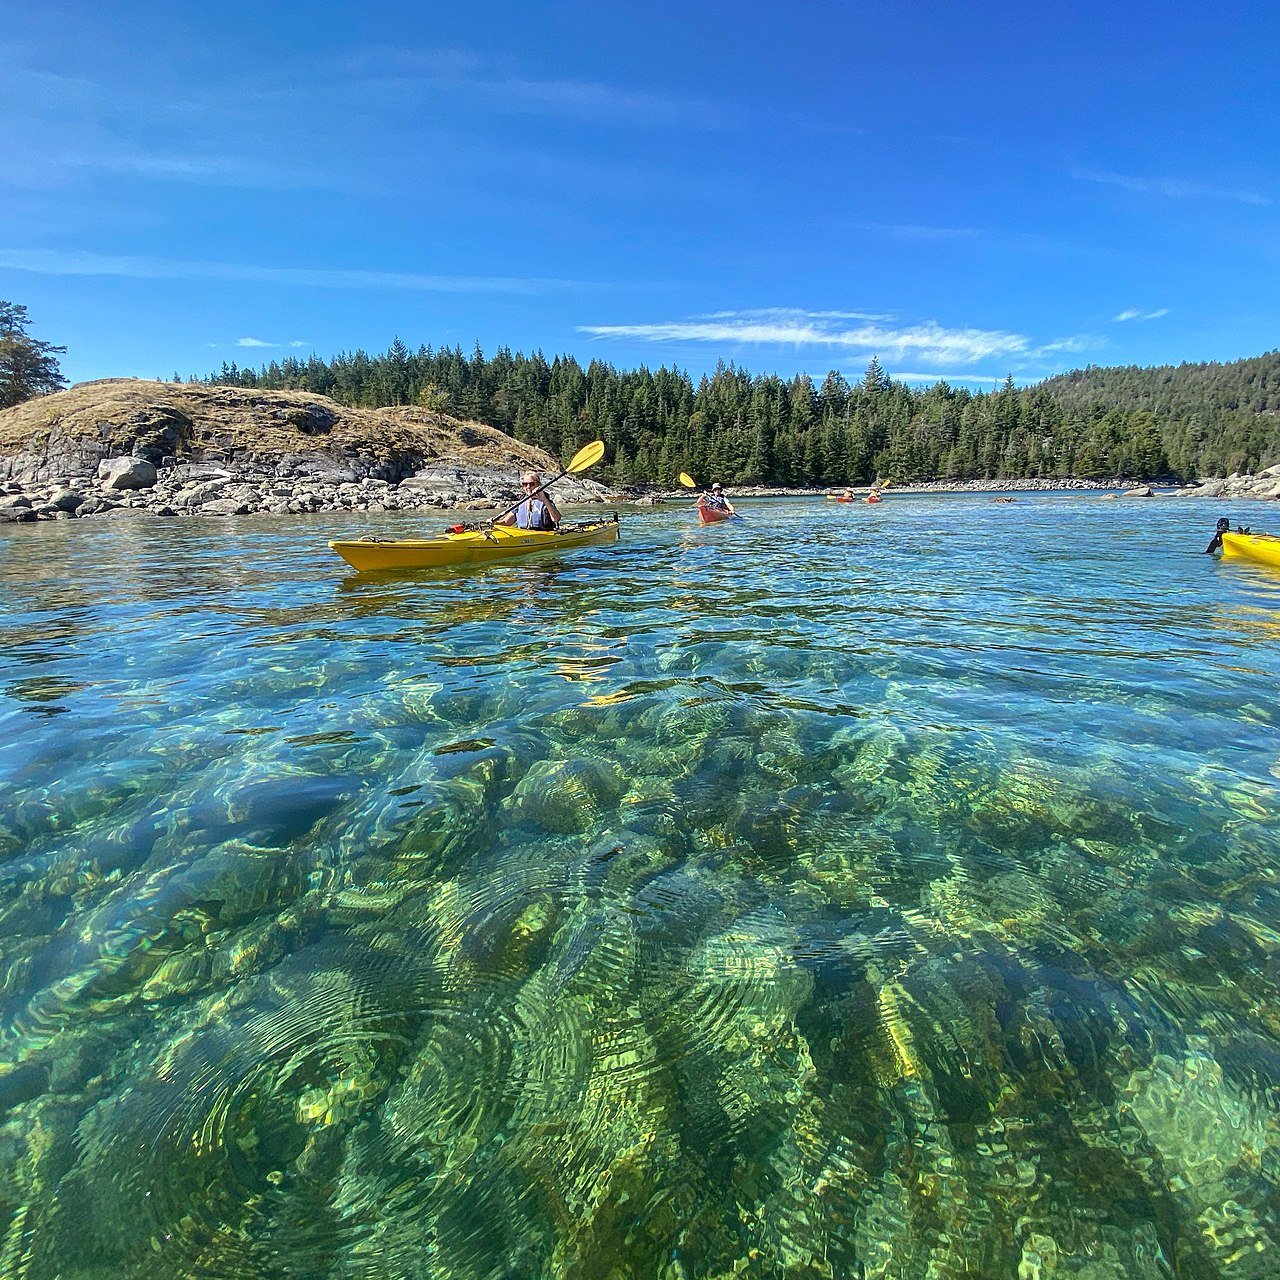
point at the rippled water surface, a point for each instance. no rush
(877, 892)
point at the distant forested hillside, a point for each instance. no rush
(1213, 417)
(1136, 424)
(1182, 389)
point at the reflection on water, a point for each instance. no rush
(887, 892)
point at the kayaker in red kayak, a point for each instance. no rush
(714, 500)
(535, 512)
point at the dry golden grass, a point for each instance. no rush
(194, 421)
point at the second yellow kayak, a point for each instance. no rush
(1264, 548)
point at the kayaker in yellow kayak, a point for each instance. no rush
(478, 544)
(532, 513)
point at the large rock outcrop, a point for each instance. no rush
(66, 435)
(179, 448)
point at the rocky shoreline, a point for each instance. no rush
(130, 486)
(124, 447)
(934, 486)
(1264, 486)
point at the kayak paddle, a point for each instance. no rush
(586, 457)
(689, 483)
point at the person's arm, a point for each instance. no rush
(509, 518)
(728, 506)
(552, 510)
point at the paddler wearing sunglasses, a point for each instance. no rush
(534, 512)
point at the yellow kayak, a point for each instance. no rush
(1264, 548)
(471, 546)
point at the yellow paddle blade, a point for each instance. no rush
(586, 457)
(687, 480)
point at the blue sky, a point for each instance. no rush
(961, 190)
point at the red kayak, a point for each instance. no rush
(711, 515)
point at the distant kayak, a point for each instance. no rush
(1262, 548)
(712, 515)
(872, 497)
(471, 546)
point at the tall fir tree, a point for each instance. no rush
(28, 367)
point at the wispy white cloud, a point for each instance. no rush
(1134, 314)
(944, 377)
(985, 239)
(53, 262)
(45, 90)
(1174, 188)
(593, 101)
(1076, 344)
(255, 343)
(202, 170)
(788, 315)
(928, 341)
(916, 233)
(501, 86)
(823, 127)
(73, 129)
(50, 104)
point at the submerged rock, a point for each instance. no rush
(567, 795)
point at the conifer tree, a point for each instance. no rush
(875, 379)
(28, 367)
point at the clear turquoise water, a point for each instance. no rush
(882, 892)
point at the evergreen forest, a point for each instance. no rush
(1173, 423)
